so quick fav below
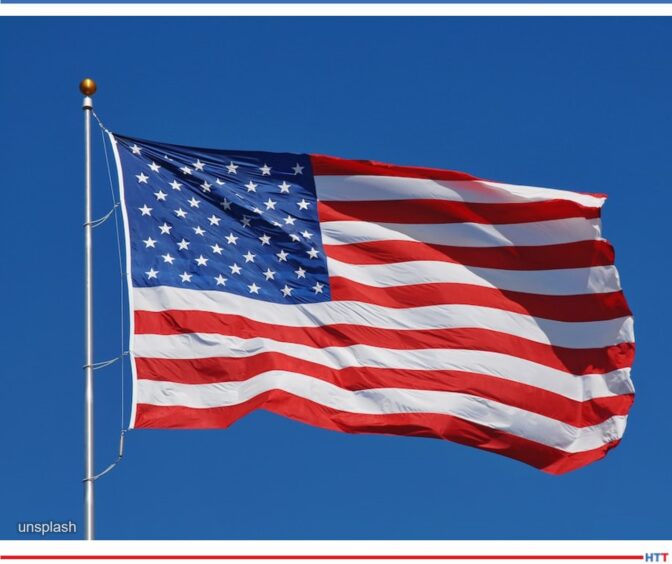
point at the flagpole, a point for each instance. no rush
(88, 88)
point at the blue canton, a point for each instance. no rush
(232, 221)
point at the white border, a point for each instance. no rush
(337, 9)
(397, 548)
(129, 281)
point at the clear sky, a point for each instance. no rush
(582, 104)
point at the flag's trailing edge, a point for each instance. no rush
(371, 298)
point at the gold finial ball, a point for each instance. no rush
(87, 87)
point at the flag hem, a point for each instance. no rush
(129, 282)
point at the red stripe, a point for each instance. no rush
(581, 254)
(584, 307)
(326, 165)
(574, 361)
(523, 396)
(442, 211)
(549, 459)
(316, 557)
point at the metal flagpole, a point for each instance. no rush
(88, 88)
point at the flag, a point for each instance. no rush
(372, 298)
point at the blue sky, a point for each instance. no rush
(573, 103)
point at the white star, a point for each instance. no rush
(286, 291)
(245, 222)
(181, 213)
(186, 277)
(294, 237)
(257, 210)
(269, 274)
(249, 257)
(298, 169)
(221, 281)
(142, 178)
(186, 170)
(289, 220)
(303, 205)
(307, 234)
(160, 196)
(284, 187)
(254, 289)
(318, 288)
(251, 186)
(312, 253)
(183, 245)
(149, 242)
(265, 240)
(206, 187)
(219, 182)
(231, 239)
(165, 228)
(214, 220)
(202, 261)
(300, 273)
(216, 249)
(151, 274)
(199, 230)
(265, 170)
(135, 149)
(168, 258)
(145, 210)
(154, 167)
(282, 255)
(198, 165)
(175, 185)
(194, 202)
(226, 204)
(232, 168)
(277, 224)
(235, 269)
(270, 204)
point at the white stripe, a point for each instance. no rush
(382, 401)
(593, 334)
(560, 282)
(579, 388)
(371, 188)
(475, 235)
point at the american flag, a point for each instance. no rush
(371, 298)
